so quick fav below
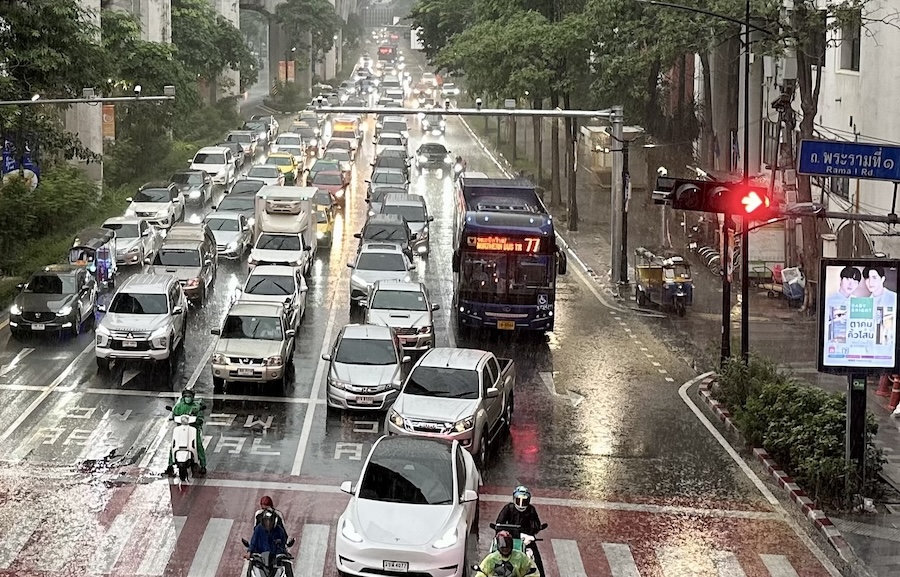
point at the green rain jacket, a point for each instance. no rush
(182, 408)
(520, 561)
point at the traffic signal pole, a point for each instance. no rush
(745, 221)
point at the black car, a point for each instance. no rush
(57, 298)
(387, 228)
(392, 162)
(434, 123)
(433, 155)
(195, 185)
(240, 202)
(246, 185)
(260, 129)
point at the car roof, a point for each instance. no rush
(211, 149)
(159, 185)
(393, 118)
(280, 154)
(337, 172)
(381, 247)
(404, 199)
(250, 307)
(191, 170)
(122, 220)
(146, 283)
(264, 167)
(223, 216)
(389, 135)
(387, 169)
(367, 332)
(399, 285)
(181, 244)
(273, 270)
(291, 134)
(242, 132)
(59, 269)
(394, 148)
(452, 358)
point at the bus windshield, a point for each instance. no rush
(498, 277)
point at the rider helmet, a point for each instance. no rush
(187, 395)
(504, 543)
(266, 502)
(521, 498)
(268, 519)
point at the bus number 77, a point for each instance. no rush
(532, 244)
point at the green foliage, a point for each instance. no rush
(353, 32)
(287, 97)
(299, 18)
(9, 289)
(802, 428)
(440, 21)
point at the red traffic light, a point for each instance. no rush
(754, 200)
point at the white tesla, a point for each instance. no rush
(412, 511)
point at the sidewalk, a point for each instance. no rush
(776, 331)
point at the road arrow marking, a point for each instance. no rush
(128, 375)
(574, 398)
(16, 360)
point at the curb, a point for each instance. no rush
(798, 496)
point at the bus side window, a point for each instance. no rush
(456, 259)
(562, 262)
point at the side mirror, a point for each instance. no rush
(101, 308)
(350, 265)
(357, 235)
(469, 496)
(168, 407)
(430, 219)
(290, 333)
(177, 310)
(20, 286)
(216, 332)
(326, 358)
(290, 543)
(347, 487)
(146, 232)
(492, 393)
(544, 526)
(435, 307)
(129, 199)
(406, 359)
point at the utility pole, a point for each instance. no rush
(745, 221)
(617, 194)
(626, 194)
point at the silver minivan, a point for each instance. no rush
(412, 207)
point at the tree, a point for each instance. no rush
(440, 21)
(300, 18)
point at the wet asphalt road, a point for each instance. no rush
(600, 433)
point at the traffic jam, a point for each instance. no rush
(355, 345)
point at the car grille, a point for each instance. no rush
(365, 390)
(221, 247)
(384, 573)
(425, 426)
(406, 331)
(246, 361)
(145, 214)
(37, 317)
(133, 335)
(116, 344)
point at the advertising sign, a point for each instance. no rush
(858, 315)
(109, 121)
(27, 168)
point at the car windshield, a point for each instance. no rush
(124, 229)
(177, 257)
(260, 126)
(321, 217)
(278, 242)
(434, 118)
(279, 161)
(237, 204)
(204, 158)
(324, 164)
(394, 126)
(139, 304)
(389, 177)
(399, 300)
(288, 141)
(247, 186)
(323, 198)
(51, 284)
(240, 138)
(406, 476)
(338, 155)
(366, 352)
(250, 327)
(307, 133)
(381, 262)
(263, 172)
(152, 195)
(223, 224)
(187, 178)
(442, 382)
(340, 144)
(327, 178)
(432, 149)
(386, 232)
(270, 285)
(390, 162)
(390, 141)
(410, 213)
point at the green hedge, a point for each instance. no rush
(802, 428)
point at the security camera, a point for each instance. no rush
(446, 104)
(137, 89)
(662, 171)
(478, 103)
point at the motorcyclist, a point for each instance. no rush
(267, 504)
(522, 513)
(269, 537)
(189, 405)
(506, 561)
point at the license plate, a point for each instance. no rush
(396, 566)
(245, 372)
(38, 327)
(365, 400)
(506, 325)
(129, 344)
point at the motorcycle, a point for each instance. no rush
(502, 570)
(524, 542)
(184, 444)
(268, 564)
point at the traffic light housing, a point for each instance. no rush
(752, 202)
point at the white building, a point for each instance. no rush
(154, 16)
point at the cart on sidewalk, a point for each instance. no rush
(792, 287)
(663, 280)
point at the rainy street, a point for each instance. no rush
(630, 481)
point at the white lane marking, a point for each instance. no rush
(204, 361)
(727, 564)
(24, 415)
(670, 380)
(21, 388)
(212, 546)
(15, 361)
(316, 386)
(167, 395)
(680, 561)
(313, 547)
(167, 531)
(778, 565)
(15, 537)
(128, 375)
(568, 558)
(757, 482)
(4, 323)
(118, 533)
(153, 446)
(621, 562)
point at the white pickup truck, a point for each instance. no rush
(461, 394)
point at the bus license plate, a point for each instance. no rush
(365, 400)
(245, 372)
(38, 327)
(129, 344)
(506, 325)
(402, 566)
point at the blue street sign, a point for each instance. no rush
(850, 159)
(10, 160)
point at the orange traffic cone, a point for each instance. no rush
(895, 393)
(884, 387)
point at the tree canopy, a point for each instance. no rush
(302, 17)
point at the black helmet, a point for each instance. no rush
(268, 518)
(187, 393)
(504, 543)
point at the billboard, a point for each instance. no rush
(22, 164)
(858, 315)
(109, 122)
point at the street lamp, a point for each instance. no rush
(287, 58)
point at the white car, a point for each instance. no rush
(386, 139)
(412, 510)
(218, 162)
(161, 205)
(268, 173)
(289, 142)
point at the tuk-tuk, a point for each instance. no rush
(662, 280)
(95, 249)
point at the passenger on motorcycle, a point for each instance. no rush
(265, 503)
(189, 405)
(522, 513)
(270, 537)
(506, 561)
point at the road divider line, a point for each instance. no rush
(49, 389)
(204, 361)
(212, 546)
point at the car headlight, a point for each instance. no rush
(134, 250)
(195, 194)
(464, 425)
(102, 331)
(349, 532)
(423, 158)
(65, 311)
(359, 280)
(313, 142)
(448, 540)
(338, 384)
(407, 278)
(424, 330)
(251, 260)
(396, 419)
(320, 235)
(263, 135)
(218, 359)
(15, 310)
(274, 361)
(232, 245)
(193, 282)
(159, 339)
(251, 221)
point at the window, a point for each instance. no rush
(840, 187)
(850, 35)
(487, 380)
(494, 368)
(460, 474)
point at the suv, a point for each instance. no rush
(196, 231)
(161, 204)
(135, 239)
(387, 228)
(255, 345)
(145, 320)
(376, 262)
(411, 207)
(191, 262)
(193, 184)
(406, 308)
(218, 162)
(57, 298)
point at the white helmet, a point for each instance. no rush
(521, 498)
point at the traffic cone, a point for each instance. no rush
(895, 393)
(884, 387)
